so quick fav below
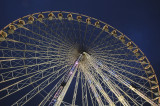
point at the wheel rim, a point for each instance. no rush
(37, 48)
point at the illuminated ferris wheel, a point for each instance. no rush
(59, 58)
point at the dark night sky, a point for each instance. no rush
(138, 19)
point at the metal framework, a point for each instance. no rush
(62, 58)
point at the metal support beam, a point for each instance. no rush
(106, 79)
(59, 95)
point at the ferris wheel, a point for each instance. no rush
(58, 58)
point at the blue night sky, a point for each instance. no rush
(138, 19)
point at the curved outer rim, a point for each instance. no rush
(100, 22)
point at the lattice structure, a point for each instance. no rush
(65, 58)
